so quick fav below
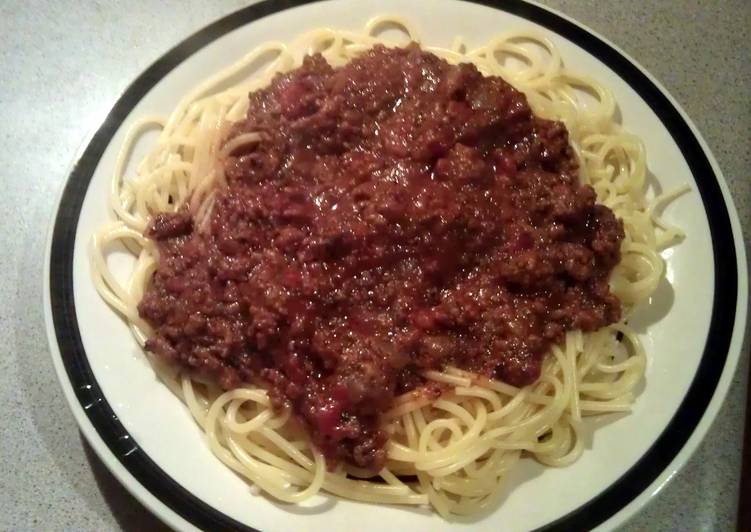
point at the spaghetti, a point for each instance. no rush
(451, 452)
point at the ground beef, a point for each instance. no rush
(399, 214)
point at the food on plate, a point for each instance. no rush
(389, 272)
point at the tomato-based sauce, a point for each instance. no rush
(399, 214)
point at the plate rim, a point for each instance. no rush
(183, 509)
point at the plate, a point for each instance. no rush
(692, 332)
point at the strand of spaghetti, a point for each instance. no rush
(589, 407)
(571, 447)
(672, 233)
(447, 379)
(435, 459)
(240, 140)
(441, 504)
(467, 487)
(284, 445)
(295, 474)
(391, 20)
(539, 72)
(482, 393)
(198, 407)
(274, 480)
(247, 426)
(571, 355)
(628, 378)
(371, 492)
(118, 173)
(106, 285)
(550, 410)
(205, 87)
(469, 455)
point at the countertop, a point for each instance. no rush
(63, 63)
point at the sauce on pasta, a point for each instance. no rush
(391, 216)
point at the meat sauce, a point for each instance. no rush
(399, 214)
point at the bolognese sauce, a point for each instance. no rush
(398, 214)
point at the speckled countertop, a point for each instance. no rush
(63, 63)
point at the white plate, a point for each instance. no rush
(146, 436)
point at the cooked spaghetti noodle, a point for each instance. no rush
(452, 452)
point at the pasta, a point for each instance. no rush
(451, 453)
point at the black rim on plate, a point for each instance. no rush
(595, 511)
